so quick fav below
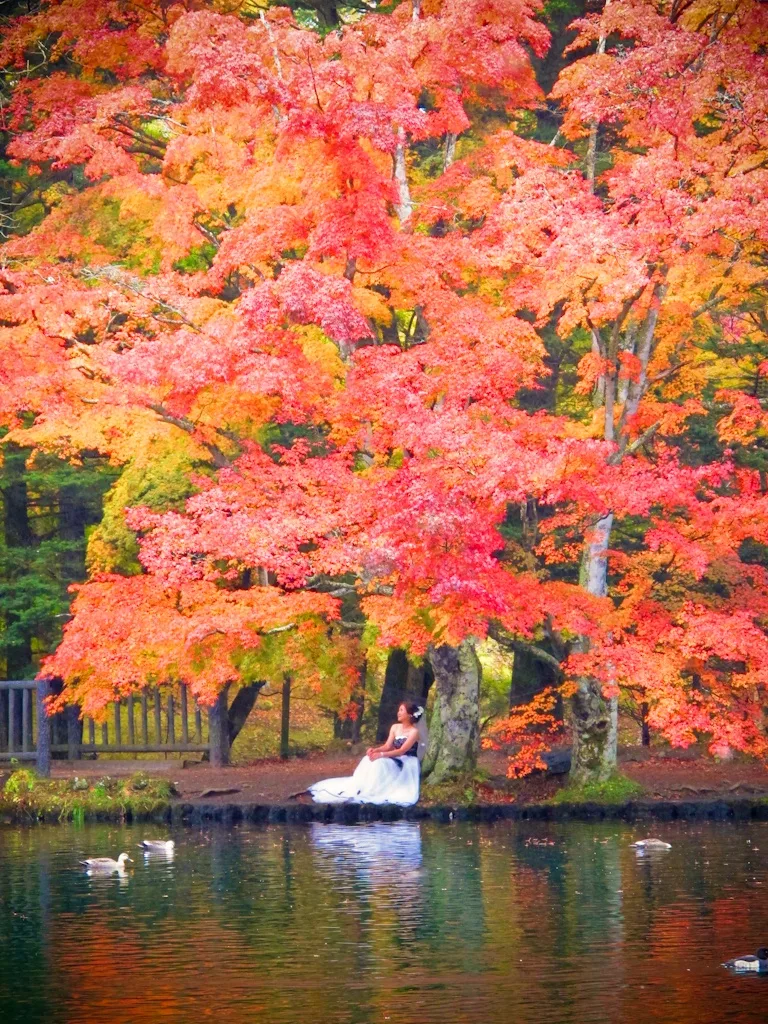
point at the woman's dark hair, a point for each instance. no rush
(414, 710)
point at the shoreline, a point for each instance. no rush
(179, 813)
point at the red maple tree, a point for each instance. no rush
(319, 267)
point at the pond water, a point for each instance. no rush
(404, 922)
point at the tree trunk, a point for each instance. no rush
(359, 699)
(449, 150)
(218, 732)
(403, 681)
(285, 718)
(455, 737)
(405, 204)
(74, 517)
(240, 709)
(645, 732)
(393, 692)
(593, 717)
(592, 145)
(435, 738)
(349, 728)
(327, 13)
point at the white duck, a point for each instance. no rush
(652, 844)
(106, 865)
(165, 846)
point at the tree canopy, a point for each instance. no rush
(357, 324)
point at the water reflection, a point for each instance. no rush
(381, 854)
(402, 922)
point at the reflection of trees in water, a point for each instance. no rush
(594, 920)
(417, 891)
(376, 872)
(406, 920)
(25, 961)
(694, 906)
(454, 914)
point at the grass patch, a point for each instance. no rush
(260, 738)
(460, 792)
(27, 795)
(616, 790)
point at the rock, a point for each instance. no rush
(558, 762)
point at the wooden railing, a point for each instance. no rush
(148, 723)
(19, 714)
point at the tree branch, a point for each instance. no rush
(646, 436)
(511, 643)
(220, 460)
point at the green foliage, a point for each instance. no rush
(495, 680)
(116, 233)
(753, 552)
(260, 738)
(28, 217)
(616, 790)
(45, 510)
(80, 799)
(197, 260)
(559, 13)
(160, 480)
(20, 785)
(157, 128)
(555, 392)
(274, 436)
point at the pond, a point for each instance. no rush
(403, 922)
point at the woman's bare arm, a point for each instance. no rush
(412, 737)
(388, 745)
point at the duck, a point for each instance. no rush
(652, 844)
(758, 963)
(106, 864)
(157, 845)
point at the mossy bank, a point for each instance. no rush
(26, 799)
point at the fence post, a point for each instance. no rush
(218, 731)
(43, 690)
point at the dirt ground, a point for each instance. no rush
(663, 775)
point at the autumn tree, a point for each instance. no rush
(308, 285)
(649, 261)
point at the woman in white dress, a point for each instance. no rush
(388, 774)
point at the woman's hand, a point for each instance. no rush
(370, 751)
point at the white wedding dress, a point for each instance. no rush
(387, 780)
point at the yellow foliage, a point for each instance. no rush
(372, 305)
(319, 349)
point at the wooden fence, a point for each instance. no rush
(151, 722)
(19, 715)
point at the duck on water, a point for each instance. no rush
(757, 964)
(106, 865)
(165, 846)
